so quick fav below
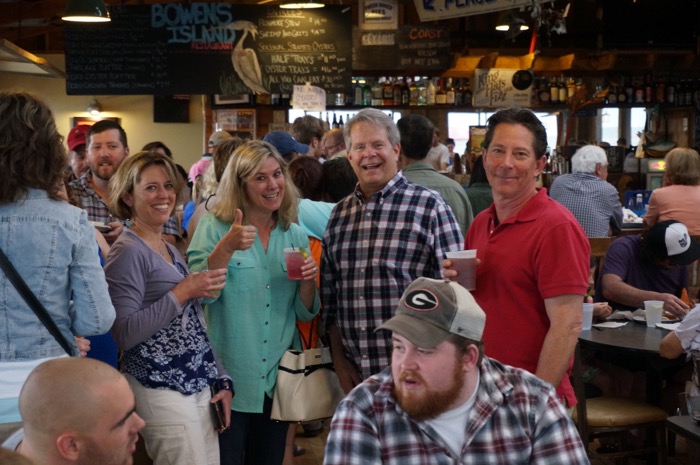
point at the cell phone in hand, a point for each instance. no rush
(217, 411)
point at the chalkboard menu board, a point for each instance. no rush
(410, 48)
(210, 48)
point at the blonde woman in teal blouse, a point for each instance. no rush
(252, 322)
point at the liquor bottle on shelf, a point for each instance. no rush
(367, 94)
(405, 93)
(377, 94)
(671, 93)
(440, 94)
(611, 98)
(340, 122)
(562, 89)
(553, 91)
(648, 89)
(621, 94)
(639, 92)
(449, 92)
(660, 91)
(629, 90)
(396, 93)
(570, 89)
(467, 93)
(334, 125)
(459, 93)
(430, 92)
(422, 93)
(413, 92)
(544, 96)
(387, 92)
(357, 93)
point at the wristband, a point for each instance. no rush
(224, 384)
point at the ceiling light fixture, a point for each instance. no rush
(94, 107)
(301, 5)
(511, 23)
(86, 11)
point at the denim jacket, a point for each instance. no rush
(53, 248)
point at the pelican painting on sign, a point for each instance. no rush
(245, 60)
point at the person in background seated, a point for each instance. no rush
(443, 401)
(51, 245)
(648, 266)
(77, 411)
(585, 192)
(685, 338)
(167, 357)
(679, 197)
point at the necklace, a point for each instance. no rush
(161, 248)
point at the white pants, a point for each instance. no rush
(179, 429)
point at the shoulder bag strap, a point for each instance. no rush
(33, 302)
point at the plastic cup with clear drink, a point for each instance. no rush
(654, 310)
(587, 316)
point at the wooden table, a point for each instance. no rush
(636, 340)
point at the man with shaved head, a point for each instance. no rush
(78, 411)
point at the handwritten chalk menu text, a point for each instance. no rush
(410, 48)
(210, 48)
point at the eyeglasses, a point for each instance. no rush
(332, 146)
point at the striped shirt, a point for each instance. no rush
(516, 419)
(372, 251)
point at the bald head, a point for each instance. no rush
(64, 392)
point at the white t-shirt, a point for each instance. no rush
(438, 155)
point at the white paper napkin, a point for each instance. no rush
(668, 326)
(610, 324)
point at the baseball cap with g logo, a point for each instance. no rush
(430, 310)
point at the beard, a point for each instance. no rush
(425, 404)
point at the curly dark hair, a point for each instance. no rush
(32, 154)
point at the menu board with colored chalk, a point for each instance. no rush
(210, 48)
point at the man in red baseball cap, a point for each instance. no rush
(77, 150)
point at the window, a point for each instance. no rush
(458, 126)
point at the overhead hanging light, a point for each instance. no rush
(94, 107)
(86, 11)
(301, 5)
(511, 23)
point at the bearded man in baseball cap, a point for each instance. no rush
(443, 401)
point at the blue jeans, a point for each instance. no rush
(253, 439)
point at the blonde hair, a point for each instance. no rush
(683, 166)
(245, 162)
(129, 174)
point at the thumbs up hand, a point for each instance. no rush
(240, 237)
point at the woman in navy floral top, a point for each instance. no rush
(167, 357)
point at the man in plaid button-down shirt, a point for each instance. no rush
(442, 402)
(378, 240)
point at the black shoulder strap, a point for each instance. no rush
(33, 302)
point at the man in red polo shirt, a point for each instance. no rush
(534, 255)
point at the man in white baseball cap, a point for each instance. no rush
(649, 266)
(443, 401)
